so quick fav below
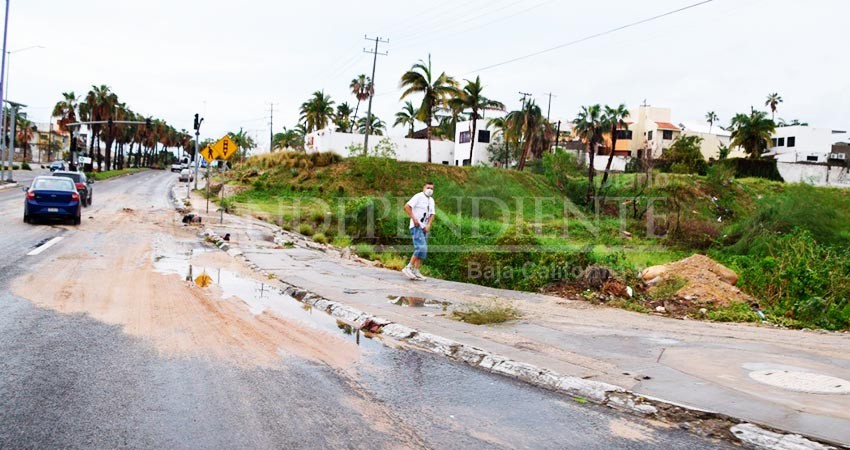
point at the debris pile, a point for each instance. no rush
(704, 282)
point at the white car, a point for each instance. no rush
(187, 175)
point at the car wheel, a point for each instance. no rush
(77, 220)
(26, 218)
(89, 202)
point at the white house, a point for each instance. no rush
(406, 149)
(713, 138)
(804, 144)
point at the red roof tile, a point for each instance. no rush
(667, 126)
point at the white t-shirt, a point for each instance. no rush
(423, 208)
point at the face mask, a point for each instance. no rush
(429, 191)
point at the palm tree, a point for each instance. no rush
(25, 130)
(342, 118)
(66, 110)
(288, 139)
(613, 119)
(406, 117)
(471, 98)
(316, 112)
(362, 88)
(752, 132)
(773, 100)
(532, 120)
(435, 92)
(508, 129)
(588, 127)
(99, 106)
(711, 119)
(376, 126)
(244, 141)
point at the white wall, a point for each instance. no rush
(415, 150)
(600, 161)
(815, 174)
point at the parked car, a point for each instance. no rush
(52, 198)
(57, 165)
(187, 175)
(82, 183)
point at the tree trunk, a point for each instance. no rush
(525, 150)
(611, 156)
(428, 136)
(590, 170)
(472, 138)
(354, 120)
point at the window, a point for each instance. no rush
(464, 137)
(775, 142)
(792, 141)
(466, 162)
(445, 163)
(781, 142)
(667, 135)
(625, 135)
(649, 136)
(484, 136)
(812, 158)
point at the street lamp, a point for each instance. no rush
(2, 111)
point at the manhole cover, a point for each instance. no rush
(810, 383)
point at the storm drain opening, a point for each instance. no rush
(805, 382)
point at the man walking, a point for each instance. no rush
(420, 208)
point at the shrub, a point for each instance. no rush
(365, 251)
(758, 168)
(306, 229)
(320, 238)
(798, 278)
(342, 241)
(685, 155)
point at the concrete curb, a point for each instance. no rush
(5, 186)
(615, 397)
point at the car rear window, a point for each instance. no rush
(74, 176)
(53, 184)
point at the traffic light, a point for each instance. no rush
(197, 123)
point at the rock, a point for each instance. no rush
(660, 309)
(754, 437)
(651, 273)
(399, 332)
(595, 276)
(726, 274)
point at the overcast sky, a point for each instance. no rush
(229, 60)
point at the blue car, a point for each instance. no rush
(52, 198)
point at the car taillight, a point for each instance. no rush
(75, 197)
(80, 186)
(31, 195)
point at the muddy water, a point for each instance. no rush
(260, 297)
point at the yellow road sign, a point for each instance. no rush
(225, 147)
(204, 280)
(210, 154)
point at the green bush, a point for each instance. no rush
(320, 238)
(798, 278)
(306, 229)
(758, 168)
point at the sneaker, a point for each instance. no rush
(418, 275)
(408, 273)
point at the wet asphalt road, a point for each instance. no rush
(70, 381)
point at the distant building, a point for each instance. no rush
(804, 144)
(713, 139)
(412, 149)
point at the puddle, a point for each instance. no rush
(261, 297)
(417, 302)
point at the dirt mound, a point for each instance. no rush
(698, 279)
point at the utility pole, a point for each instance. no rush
(271, 128)
(549, 109)
(3, 86)
(558, 135)
(198, 122)
(525, 96)
(375, 54)
(13, 118)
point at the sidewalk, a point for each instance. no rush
(704, 365)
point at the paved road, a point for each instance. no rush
(76, 374)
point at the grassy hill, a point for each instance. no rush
(531, 231)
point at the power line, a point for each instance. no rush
(592, 36)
